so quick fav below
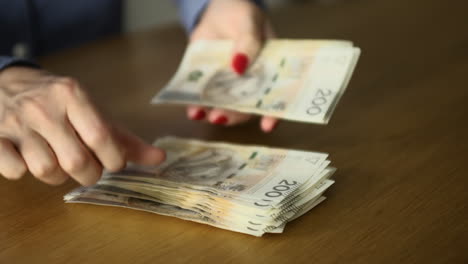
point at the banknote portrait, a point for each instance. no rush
(204, 166)
(226, 87)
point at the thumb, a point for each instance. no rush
(138, 151)
(246, 49)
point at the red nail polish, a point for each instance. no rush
(240, 63)
(271, 129)
(199, 115)
(221, 120)
(274, 126)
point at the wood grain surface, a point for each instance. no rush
(399, 139)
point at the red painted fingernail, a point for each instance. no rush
(221, 120)
(239, 63)
(199, 115)
(274, 126)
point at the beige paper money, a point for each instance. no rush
(89, 196)
(248, 189)
(300, 80)
(248, 173)
(241, 223)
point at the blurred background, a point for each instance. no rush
(144, 14)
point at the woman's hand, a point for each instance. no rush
(49, 126)
(246, 24)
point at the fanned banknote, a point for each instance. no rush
(300, 80)
(247, 189)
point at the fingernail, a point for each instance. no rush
(199, 115)
(221, 120)
(273, 127)
(239, 63)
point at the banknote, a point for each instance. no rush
(241, 223)
(220, 212)
(242, 171)
(299, 80)
(243, 188)
(90, 196)
(99, 197)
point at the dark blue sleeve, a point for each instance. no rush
(191, 10)
(10, 61)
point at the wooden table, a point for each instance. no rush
(399, 138)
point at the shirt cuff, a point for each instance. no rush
(191, 10)
(12, 61)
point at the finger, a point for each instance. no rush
(269, 31)
(41, 160)
(12, 165)
(93, 130)
(268, 124)
(228, 118)
(139, 151)
(200, 33)
(246, 49)
(72, 155)
(195, 112)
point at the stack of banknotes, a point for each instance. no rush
(247, 189)
(299, 80)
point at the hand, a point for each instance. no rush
(49, 126)
(247, 25)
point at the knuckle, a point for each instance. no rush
(35, 109)
(99, 135)
(67, 86)
(44, 170)
(30, 103)
(11, 120)
(75, 163)
(69, 81)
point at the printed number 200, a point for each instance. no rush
(278, 190)
(321, 98)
